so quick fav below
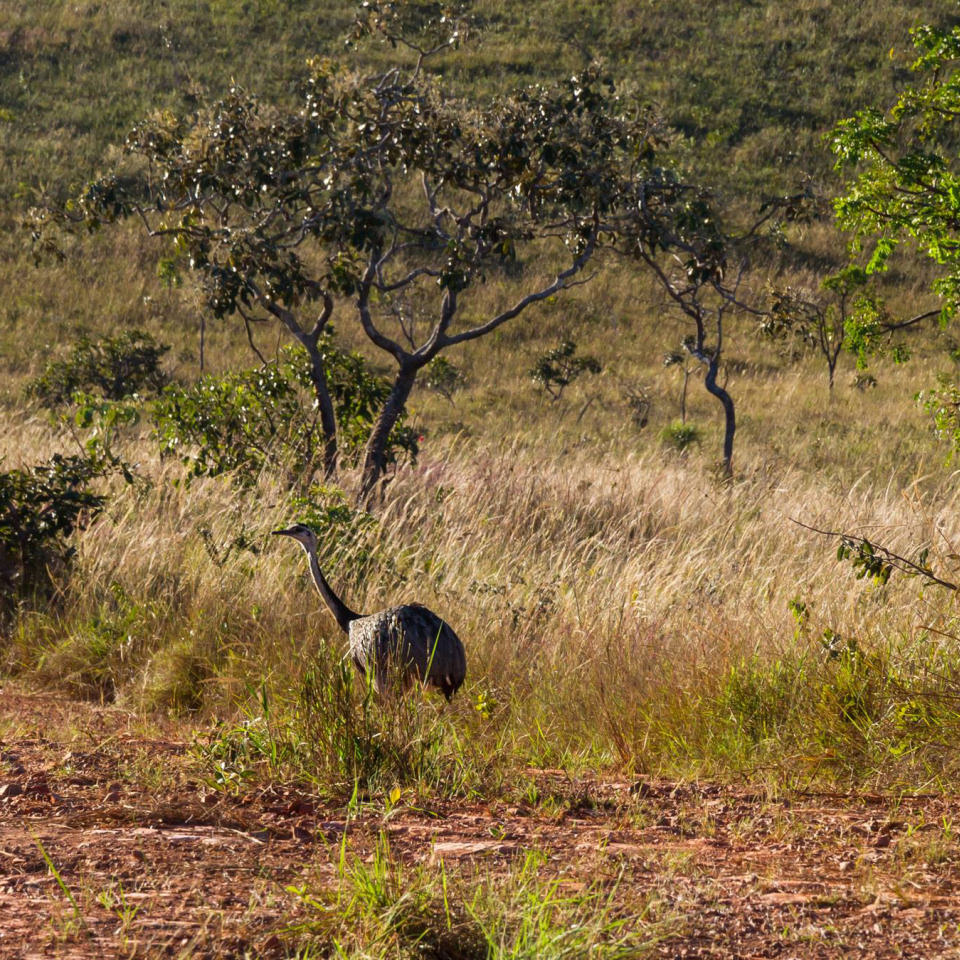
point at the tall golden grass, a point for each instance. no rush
(620, 605)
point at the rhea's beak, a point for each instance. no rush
(280, 533)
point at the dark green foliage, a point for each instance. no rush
(40, 507)
(878, 562)
(239, 422)
(243, 421)
(865, 560)
(558, 368)
(113, 368)
(444, 377)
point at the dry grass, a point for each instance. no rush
(619, 608)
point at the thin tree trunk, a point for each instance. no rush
(328, 418)
(375, 461)
(730, 424)
(318, 376)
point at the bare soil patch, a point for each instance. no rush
(159, 864)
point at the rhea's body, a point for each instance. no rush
(408, 643)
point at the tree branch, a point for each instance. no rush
(559, 283)
(895, 560)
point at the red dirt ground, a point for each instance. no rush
(204, 875)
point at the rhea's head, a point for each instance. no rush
(302, 534)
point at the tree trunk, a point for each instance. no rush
(318, 376)
(328, 419)
(375, 461)
(730, 425)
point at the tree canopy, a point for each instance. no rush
(906, 185)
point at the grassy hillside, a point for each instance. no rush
(751, 85)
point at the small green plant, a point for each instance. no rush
(97, 425)
(444, 377)
(556, 369)
(679, 435)
(381, 907)
(62, 884)
(849, 696)
(942, 403)
(40, 507)
(112, 368)
(114, 899)
(800, 612)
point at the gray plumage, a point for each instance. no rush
(398, 645)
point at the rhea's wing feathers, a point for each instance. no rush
(412, 637)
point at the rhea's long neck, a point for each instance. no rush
(343, 614)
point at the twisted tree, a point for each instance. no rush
(389, 201)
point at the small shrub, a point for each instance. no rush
(40, 507)
(239, 423)
(850, 693)
(943, 406)
(113, 368)
(556, 369)
(443, 377)
(680, 435)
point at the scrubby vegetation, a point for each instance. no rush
(633, 592)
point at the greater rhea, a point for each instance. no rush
(400, 644)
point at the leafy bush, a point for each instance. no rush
(443, 377)
(114, 368)
(558, 368)
(680, 435)
(40, 507)
(244, 421)
(943, 405)
(239, 422)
